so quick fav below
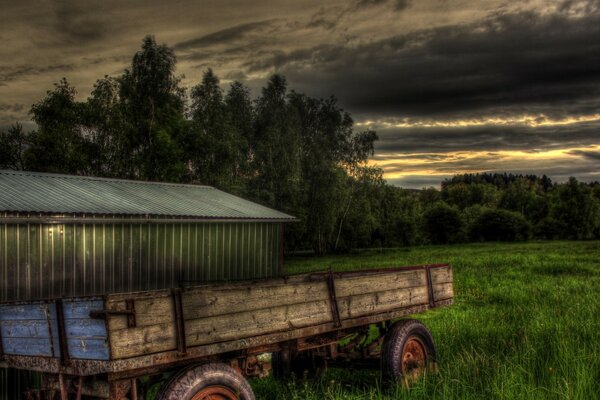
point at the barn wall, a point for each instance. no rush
(54, 260)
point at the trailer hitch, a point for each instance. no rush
(129, 312)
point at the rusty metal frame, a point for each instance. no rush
(129, 312)
(429, 286)
(335, 312)
(1, 346)
(62, 333)
(179, 321)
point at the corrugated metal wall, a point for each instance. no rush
(53, 260)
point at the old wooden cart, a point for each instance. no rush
(209, 336)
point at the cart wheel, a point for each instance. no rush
(408, 351)
(207, 382)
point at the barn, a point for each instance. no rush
(63, 235)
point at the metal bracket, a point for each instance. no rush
(333, 299)
(62, 332)
(429, 286)
(179, 322)
(129, 312)
(1, 347)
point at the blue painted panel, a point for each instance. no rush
(88, 349)
(27, 346)
(86, 328)
(23, 311)
(80, 308)
(25, 329)
(86, 337)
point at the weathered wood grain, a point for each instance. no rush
(142, 340)
(213, 302)
(441, 275)
(358, 285)
(257, 322)
(377, 302)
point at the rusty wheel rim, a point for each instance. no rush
(216, 393)
(414, 358)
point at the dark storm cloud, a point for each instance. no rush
(78, 22)
(507, 62)
(591, 155)
(223, 36)
(486, 138)
(398, 5)
(419, 181)
(17, 72)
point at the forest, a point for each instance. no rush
(286, 150)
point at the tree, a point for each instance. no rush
(276, 148)
(442, 224)
(59, 144)
(13, 145)
(107, 127)
(153, 105)
(575, 209)
(500, 225)
(218, 143)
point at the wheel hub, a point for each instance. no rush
(215, 393)
(414, 358)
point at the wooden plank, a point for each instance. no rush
(31, 311)
(81, 308)
(443, 291)
(441, 275)
(85, 329)
(88, 349)
(148, 311)
(257, 322)
(144, 340)
(373, 303)
(35, 328)
(357, 285)
(208, 303)
(27, 346)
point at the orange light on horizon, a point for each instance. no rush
(523, 120)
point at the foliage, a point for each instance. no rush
(523, 326)
(283, 149)
(442, 224)
(500, 225)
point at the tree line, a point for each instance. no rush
(283, 149)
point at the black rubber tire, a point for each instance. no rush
(400, 333)
(187, 383)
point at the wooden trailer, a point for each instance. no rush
(203, 340)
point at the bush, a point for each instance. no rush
(500, 225)
(442, 224)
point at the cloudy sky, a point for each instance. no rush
(450, 86)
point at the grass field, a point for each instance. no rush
(525, 325)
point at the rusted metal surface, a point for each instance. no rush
(119, 389)
(216, 393)
(179, 322)
(62, 334)
(429, 286)
(414, 359)
(335, 312)
(129, 312)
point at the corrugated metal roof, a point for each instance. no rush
(37, 192)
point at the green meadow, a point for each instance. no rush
(525, 325)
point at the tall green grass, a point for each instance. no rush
(525, 325)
